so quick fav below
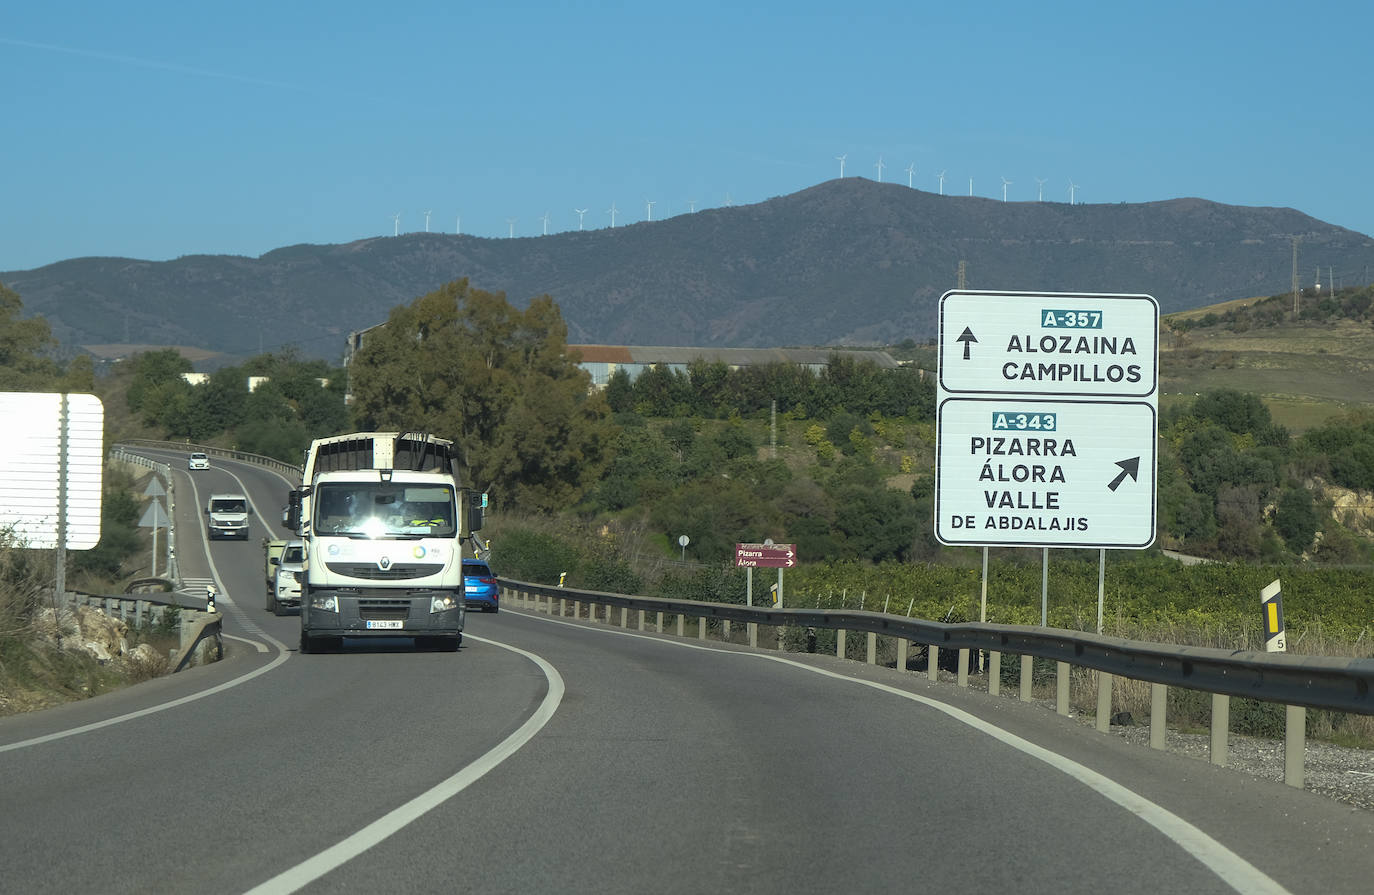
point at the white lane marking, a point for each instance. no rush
(223, 598)
(150, 710)
(260, 647)
(1234, 870)
(393, 821)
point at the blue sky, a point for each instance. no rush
(153, 129)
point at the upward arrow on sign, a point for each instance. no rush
(967, 337)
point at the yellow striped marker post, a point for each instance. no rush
(1271, 600)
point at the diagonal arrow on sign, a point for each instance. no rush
(1130, 468)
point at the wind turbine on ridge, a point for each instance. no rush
(880, 167)
(396, 219)
(1040, 195)
(511, 223)
(650, 206)
(545, 219)
(910, 173)
(580, 212)
(1005, 183)
(941, 175)
(427, 214)
(1073, 189)
(692, 206)
(612, 211)
(840, 159)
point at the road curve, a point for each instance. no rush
(555, 756)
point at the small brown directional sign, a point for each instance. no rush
(766, 556)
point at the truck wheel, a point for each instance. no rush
(276, 608)
(272, 604)
(305, 642)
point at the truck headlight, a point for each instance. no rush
(324, 602)
(443, 602)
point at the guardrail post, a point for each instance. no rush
(902, 645)
(1294, 744)
(642, 614)
(701, 628)
(1159, 701)
(1027, 675)
(839, 642)
(933, 662)
(1104, 702)
(872, 648)
(963, 668)
(624, 616)
(562, 606)
(994, 673)
(1061, 688)
(681, 625)
(726, 626)
(577, 609)
(753, 634)
(658, 625)
(1221, 728)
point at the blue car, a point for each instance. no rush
(479, 586)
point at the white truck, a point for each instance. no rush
(383, 521)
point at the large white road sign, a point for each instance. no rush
(1021, 473)
(1060, 344)
(1047, 410)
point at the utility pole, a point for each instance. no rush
(1296, 290)
(773, 432)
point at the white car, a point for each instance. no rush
(287, 590)
(197, 461)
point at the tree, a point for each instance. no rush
(1233, 410)
(24, 363)
(1295, 518)
(464, 364)
(152, 372)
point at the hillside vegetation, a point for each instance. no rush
(845, 262)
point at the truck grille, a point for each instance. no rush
(397, 572)
(382, 608)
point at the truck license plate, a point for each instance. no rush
(390, 625)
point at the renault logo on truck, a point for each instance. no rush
(384, 563)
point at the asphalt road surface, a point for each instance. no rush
(556, 756)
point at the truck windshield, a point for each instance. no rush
(384, 509)
(229, 505)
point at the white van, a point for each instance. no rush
(226, 516)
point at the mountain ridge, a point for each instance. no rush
(845, 262)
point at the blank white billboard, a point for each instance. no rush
(30, 468)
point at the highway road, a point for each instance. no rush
(556, 756)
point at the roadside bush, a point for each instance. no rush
(527, 555)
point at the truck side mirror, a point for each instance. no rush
(291, 516)
(471, 509)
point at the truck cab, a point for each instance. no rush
(383, 523)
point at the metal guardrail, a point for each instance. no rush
(164, 473)
(197, 627)
(1298, 682)
(214, 451)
